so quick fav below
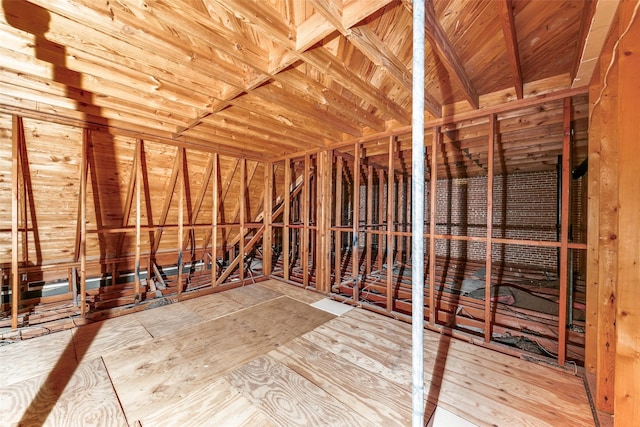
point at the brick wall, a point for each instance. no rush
(524, 207)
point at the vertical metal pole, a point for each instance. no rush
(417, 217)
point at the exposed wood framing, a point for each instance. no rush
(339, 205)
(138, 179)
(488, 244)
(215, 209)
(86, 137)
(627, 360)
(447, 54)
(511, 43)
(435, 147)
(181, 158)
(323, 241)
(389, 221)
(369, 221)
(306, 194)
(16, 141)
(286, 219)
(355, 244)
(267, 240)
(242, 204)
(564, 234)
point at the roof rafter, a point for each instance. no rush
(505, 8)
(447, 54)
(368, 42)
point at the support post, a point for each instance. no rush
(138, 172)
(435, 146)
(323, 240)
(369, 236)
(181, 183)
(564, 234)
(243, 214)
(488, 265)
(417, 217)
(305, 221)
(338, 232)
(390, 238)
(286, 218)
(267, 219)
(17, 134)
(355, 254)
(379, 236)
(83, 223)
(215, 209)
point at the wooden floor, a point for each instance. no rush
(261, 355)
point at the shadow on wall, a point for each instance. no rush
(36, 20)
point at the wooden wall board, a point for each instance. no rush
(288, 398)
(31, 358)
(167, 319)
(98, 338)
(379, 401)
(86, 400)
(291, 291)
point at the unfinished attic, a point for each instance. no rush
(287, 212)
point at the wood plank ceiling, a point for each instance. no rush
(265, 79)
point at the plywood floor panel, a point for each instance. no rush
(292, 291)
(264, 358)
(451, 370)
(216, 404)
(250, 295)
(381, 402)
(167, 319)
(31, 358)
(288, 398)
(98, 338)
(212, 306)
(86, 400)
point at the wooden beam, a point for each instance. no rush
(369, 220)
(355, 245)
(138, 174)
(338, 222)
(215, 209)
(17, 138)
(627, 360)
(286, 219)
(447, 54)
(86, 136)
(243, 214)
(435, 146)
(511, 41)
(488, 245)
(181, 186)
(607, 298)
(306, 194)
(381, 205)
(390, 238)
(564, 235)
(354, 11)
(323, 240)
(267, 219)
(368, 42)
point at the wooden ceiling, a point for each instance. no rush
(265, 79)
